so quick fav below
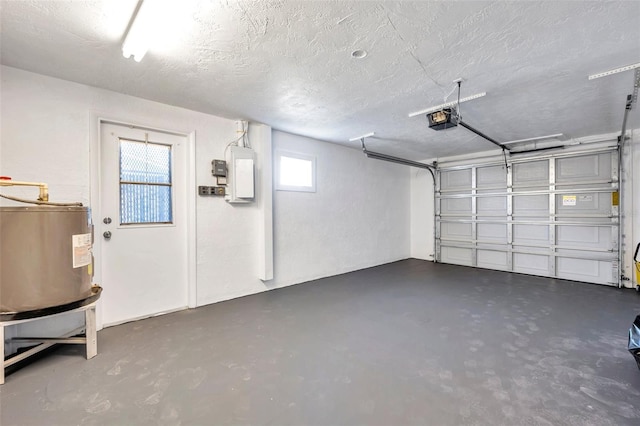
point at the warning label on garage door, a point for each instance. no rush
(569, 200)
(615, 198)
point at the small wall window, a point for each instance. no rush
(295, 172)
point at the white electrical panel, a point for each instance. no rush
(241, 175)
(244, 178)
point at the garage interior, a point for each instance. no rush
(332, 212)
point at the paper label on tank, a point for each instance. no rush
(81, 246)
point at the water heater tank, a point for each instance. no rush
(45, 256)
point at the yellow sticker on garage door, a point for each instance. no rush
(615, 198)
(569, 200)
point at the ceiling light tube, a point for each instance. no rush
(614, 71)
(539, 138)
(448, 104)
(139, 36)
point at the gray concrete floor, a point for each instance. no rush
(410, 342)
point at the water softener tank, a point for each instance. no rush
(45, 256)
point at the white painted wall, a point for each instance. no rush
(422, 215)
(233, 240)
(358, 217)
(46, 136)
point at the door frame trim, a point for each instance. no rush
(96, 122)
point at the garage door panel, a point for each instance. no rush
(591, 203)
(535, 264)
(591, 271)
(455, 180)
(455, 206)
(457, 255)
(530, 234)
(556, 219)
(454, 230)
(491, 177)
(491, 206)
(534, 173)
(531, 205)
(584, 236)
(492, 259)
(492, 232)
(585, 167)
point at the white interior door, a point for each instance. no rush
(143, 215)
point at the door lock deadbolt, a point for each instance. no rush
(106, 220)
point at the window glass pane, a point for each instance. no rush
(145, 183)
(145, 204)
(145, 162)
(296, 172)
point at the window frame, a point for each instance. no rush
(298, 156)
(170, 185)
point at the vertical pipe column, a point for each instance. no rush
(261, 141)
(510, 217)
(552, 216)
(633, 200)
(474, 217)
(436, 179)
(616, 221)
(437, 223)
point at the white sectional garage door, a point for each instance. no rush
(554, 216)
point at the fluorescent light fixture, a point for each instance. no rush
(141, 33)
(614, 71)
(164, 26)
(448, 104)
(116, 17)
(539, 138)
(368, 135)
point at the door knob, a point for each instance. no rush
(106, 235)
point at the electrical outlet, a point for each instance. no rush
(211, 190)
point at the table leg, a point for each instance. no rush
(91, 332)
(2, 354)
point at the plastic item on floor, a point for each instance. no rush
(634, 340)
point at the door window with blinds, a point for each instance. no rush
(146, 191)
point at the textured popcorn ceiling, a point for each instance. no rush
(288, 64)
